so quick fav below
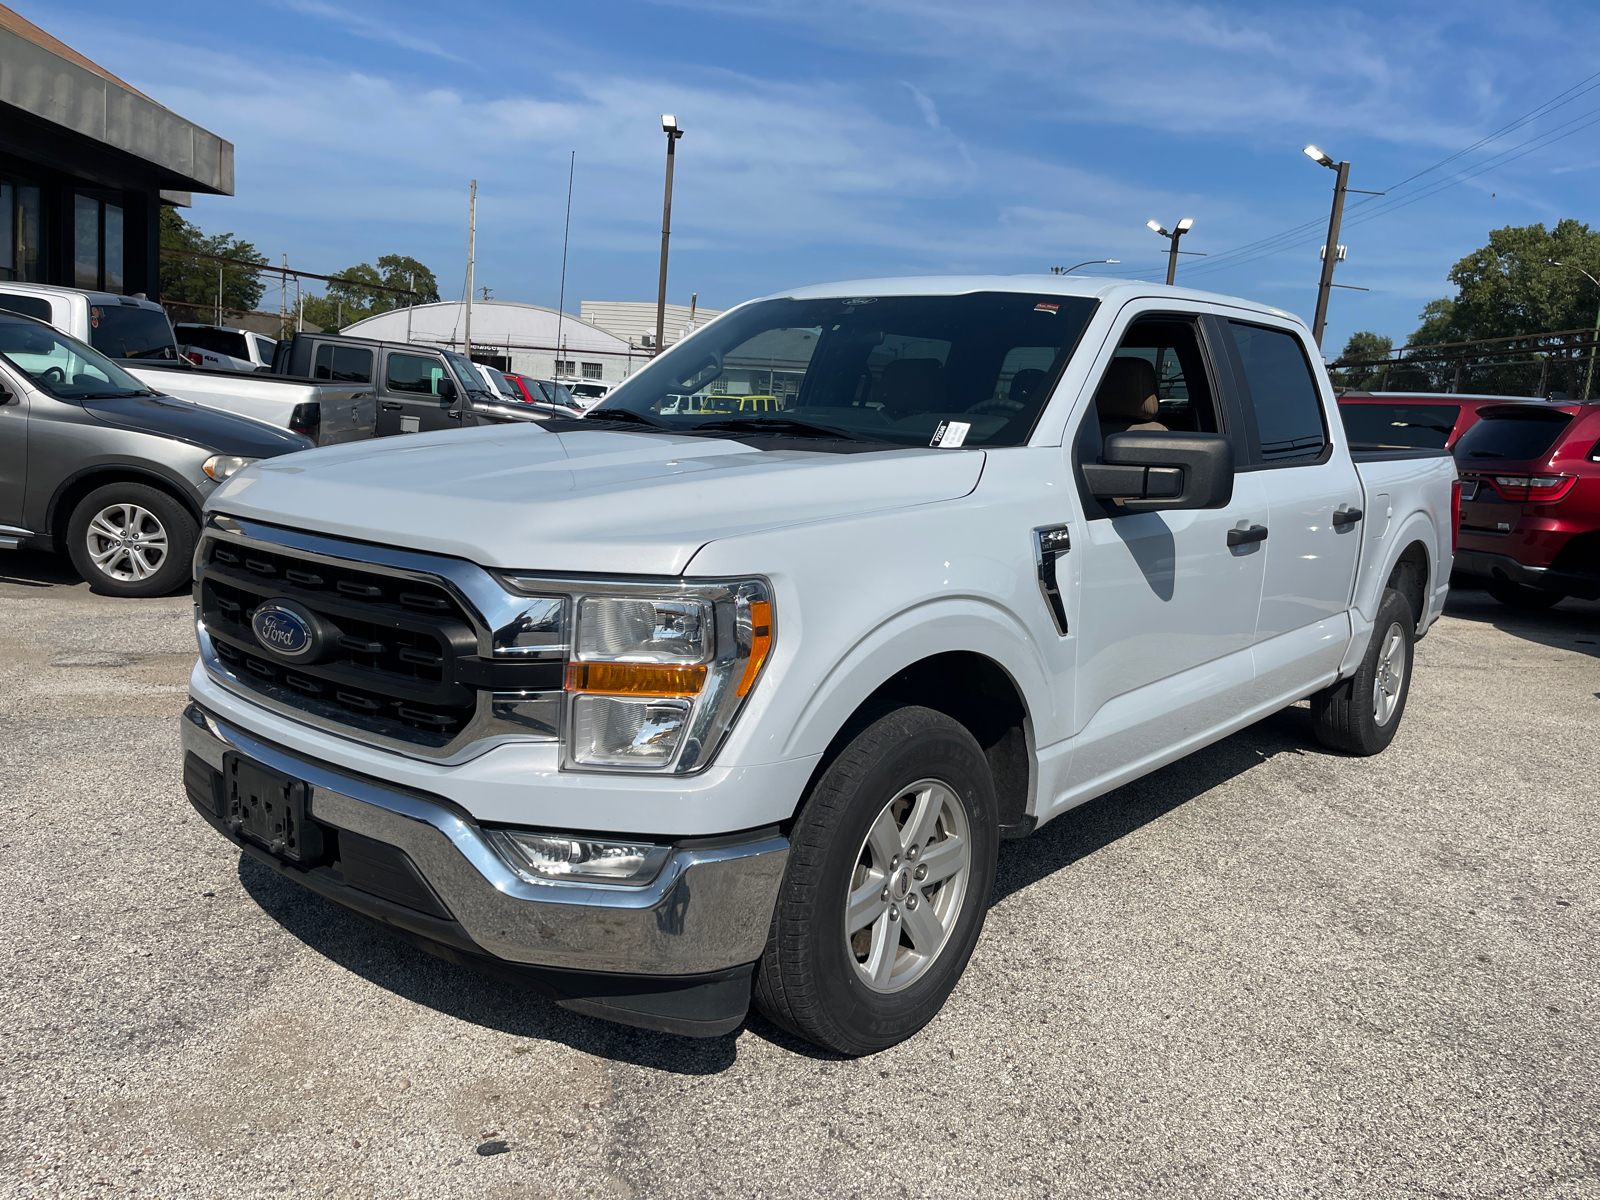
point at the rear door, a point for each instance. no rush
(409, 401)
(13, 450)
(1309, 482)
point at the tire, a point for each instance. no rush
(912, 788)
(1518, 595)
(152, 560)
(1360, 715)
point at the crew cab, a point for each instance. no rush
(664, 712)
(1530, 513)
(135, 333)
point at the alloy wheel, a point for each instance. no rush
(1390, 674)
(127, 542)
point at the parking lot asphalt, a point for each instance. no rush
(1263, 971)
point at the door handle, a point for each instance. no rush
(1347, 516)
(1245, 537)
(390, 406)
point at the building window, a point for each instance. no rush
(97, 244)
(591, 370)
(567, 367)
(19, 232)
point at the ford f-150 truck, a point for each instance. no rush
(665, 711)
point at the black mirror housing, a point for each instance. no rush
(447, 388)
(1152, 470)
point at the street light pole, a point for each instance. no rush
(1588, 378)
(1178, 230)
(1330, 253)
(1091, 262)
(669, 126)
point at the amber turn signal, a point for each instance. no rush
(635, 679)
(760, 643)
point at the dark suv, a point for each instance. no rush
(1530, 502)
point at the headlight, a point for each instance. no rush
(221, 466)
(655, 676)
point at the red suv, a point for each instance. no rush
(1410, 420)
(1530, 502)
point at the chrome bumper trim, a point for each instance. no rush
(707, 910)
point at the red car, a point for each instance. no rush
(545, 394)
(1530, 502)
(1410, 420)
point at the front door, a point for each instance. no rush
(13, 451)
(1166, 608)
(409, 401)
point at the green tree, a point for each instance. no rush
(1511, 288)
(1361, 353)
(189, 285)
(347, 300)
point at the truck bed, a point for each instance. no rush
(336, 412)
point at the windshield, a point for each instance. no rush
(502, 384)
(468, 377)
(1399, 426)
(126, 331)
(62, 366)
(558, 394)
(976, 369)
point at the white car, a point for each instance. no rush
(223, 348)
(673, 713)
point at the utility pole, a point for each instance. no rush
(566, 230)
(1330, 251)
(411, 303)
(283, 298)
(669, 126)
(1178, 230)
(472, 236)
(1588, 379)
(219, 295)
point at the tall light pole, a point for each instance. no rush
(1090, 263)
(1589, 377)
(669, 126)
(1330, 252)
(1178, 230)
(472, 249)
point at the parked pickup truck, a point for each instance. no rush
(663, 714)
(136, 333)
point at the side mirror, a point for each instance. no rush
(447, 388)
(1153, 470)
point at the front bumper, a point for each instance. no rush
(699, 925)
(1503, 566)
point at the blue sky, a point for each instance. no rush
(828, 140)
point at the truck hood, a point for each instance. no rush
(600, 501)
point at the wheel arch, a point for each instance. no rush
(71, 491)
(1411, 575)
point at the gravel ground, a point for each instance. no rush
(1264, 971)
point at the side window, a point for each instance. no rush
(28, 306)
(1282, 394)
(415, 374)
(343, 364)
(264, 348)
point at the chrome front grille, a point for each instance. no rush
(404, 669)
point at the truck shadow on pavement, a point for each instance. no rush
(1571, 625)
(37, 569)
(398, 967)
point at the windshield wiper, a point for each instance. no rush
(781, 426)
(114, 395)
(625, 414)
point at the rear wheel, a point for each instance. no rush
(1360, 715)
(1517, 595)
(890, 870)
(130, 539)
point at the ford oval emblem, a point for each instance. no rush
(283, 630)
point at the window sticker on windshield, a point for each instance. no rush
(1052, 309)
(950, 434)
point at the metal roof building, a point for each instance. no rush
(515, 337)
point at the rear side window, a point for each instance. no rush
(124, 331)
(1399, 426)
(1515, 436)
(1283, 393)
(28, 306)
(412, 373)
(343, 364)
(264, 348)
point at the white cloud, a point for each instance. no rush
(372, 29)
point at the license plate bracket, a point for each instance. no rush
(269, 808)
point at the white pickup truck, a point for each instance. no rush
(662, 714)
(137, 334)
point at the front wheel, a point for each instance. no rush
(1360, 715)
(891, 864)
(130, 539)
